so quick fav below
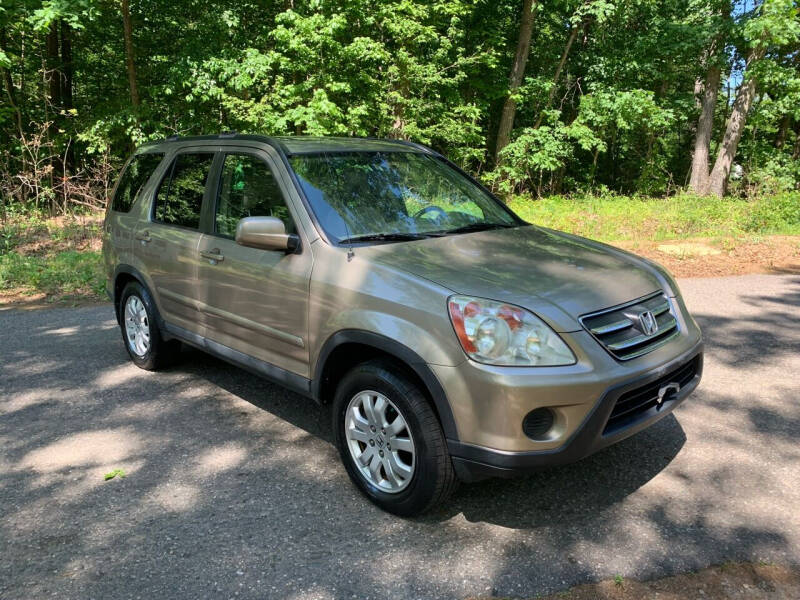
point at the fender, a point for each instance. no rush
(138, 276)
(398, 350)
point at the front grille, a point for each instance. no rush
(623, 330)
(631, 406)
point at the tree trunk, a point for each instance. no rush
(718, 181)
(66, 89)
(53, 67)
(9, 84)
(659, 93)
(573, 34)
(796, 151)
(698, 181)
(783, 129)
(698, 89)
(66, 65)
(129, 55)
(515, 80)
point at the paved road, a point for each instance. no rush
(234, 489)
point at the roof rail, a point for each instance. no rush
(173, 138)
(229, 134)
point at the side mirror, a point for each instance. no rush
(265, 233)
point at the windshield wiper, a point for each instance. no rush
(383, 237)
(476, 227)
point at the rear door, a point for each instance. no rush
(121, 217)
(167, 243)
(256, 301)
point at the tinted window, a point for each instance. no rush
(180, 196)
(133, 179)
(247, 188)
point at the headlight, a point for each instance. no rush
(496, 333)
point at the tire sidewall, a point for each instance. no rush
(147, 361)
(423, 484)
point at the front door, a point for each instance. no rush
(167, 244)
(256, 301)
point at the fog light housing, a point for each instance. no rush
(538, 423)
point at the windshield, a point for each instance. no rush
(391, 196)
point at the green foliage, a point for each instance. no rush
(620, 115)
(115, 473)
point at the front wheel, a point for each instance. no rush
(390, 440)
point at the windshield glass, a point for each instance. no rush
(362, 196)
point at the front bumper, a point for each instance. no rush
(474, 462)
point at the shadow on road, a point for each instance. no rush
(229, 474)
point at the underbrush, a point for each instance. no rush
(58, 259)
(63, 275)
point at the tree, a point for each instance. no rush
(515, 79)
(586, 96)
(130, 60)
(719, 30)
(776, 23)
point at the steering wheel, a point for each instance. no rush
(432, 208)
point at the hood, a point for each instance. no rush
(557, 276)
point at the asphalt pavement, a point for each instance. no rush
(233, 488)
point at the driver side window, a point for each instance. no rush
(247, 188)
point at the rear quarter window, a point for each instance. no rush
(179, 199)
(132, 180)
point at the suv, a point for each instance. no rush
(453, 340)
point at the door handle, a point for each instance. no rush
(213, 255)
(143, 236)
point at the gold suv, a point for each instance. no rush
(453, 340)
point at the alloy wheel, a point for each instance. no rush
(137, 326)
(380, 441)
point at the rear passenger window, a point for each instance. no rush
(247, 188)
(180, 195)
(132, 180)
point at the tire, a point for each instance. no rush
(431, 479)
(140, 332)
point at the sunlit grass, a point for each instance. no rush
(69, 273)
(637, 218)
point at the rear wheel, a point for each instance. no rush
(390, 440)
(143, 341)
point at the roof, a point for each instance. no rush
(305, 144)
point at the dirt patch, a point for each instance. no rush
(709, 257)
(24, 299)
(733, 581)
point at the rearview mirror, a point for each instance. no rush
(266, 233)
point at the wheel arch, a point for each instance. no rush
(123, 275)
(348, 348)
